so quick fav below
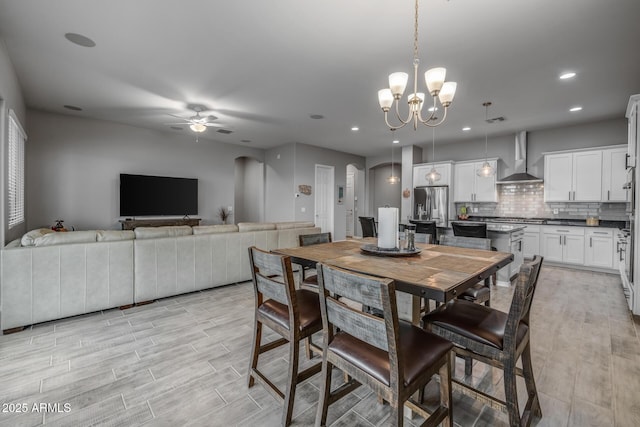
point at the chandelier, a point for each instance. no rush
(486, 170)
(438, 89)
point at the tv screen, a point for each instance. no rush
(157, 195)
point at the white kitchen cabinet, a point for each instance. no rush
(469, 187)
(563, 244)
(420, 174)
(573, 176)
(614, 174)
(531, 241)
(599, 248)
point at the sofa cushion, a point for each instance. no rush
(114, 235)
(158, 232)
(29, 238)
(255, 226)
(293, 224)
(66, 237)
(214, 229)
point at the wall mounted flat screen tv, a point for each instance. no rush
(157, 195)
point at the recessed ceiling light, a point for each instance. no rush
(355, 128)
(395, 141)
(316, 116)
(80, 40)
(567, 75)
(72, 107)
(576, 108)
(466, 129)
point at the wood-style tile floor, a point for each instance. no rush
(183, 361)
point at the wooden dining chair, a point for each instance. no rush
(394, 358)
(293, 314)
(480, 292)
(496, 338)
(311, 281)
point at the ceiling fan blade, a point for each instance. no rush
(211, 117)
(176, 116)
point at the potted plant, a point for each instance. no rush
(223, 214)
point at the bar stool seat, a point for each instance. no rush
(308, 308)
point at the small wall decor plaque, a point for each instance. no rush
(406, 193)
(305, 189)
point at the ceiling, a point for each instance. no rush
(263, 67)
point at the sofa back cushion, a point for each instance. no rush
(294, 224)
(65, 238)
(114, 235)
(29, 238)
(158, 232)
(255, 226)
(214, 229)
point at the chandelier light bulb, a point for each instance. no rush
(398, 83)
(434, 78)
(385, 98)
(447, 93)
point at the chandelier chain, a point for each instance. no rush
(415, 37)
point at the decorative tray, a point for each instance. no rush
(374, 250)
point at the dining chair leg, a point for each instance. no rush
(307, 348)
(468, 366)
(325, 392)
(255, 349)
(397, 416)
(292, 382)
(446, 397)
(530, 382)
(511, 392)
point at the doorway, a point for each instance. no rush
(324, 198)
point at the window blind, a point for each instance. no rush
(17, 139)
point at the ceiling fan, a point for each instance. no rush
(197, 123)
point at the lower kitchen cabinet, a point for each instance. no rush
(531, 241)
(599, 249)
(563, 245)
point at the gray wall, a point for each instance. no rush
(598, 134)
(249, 191)
(10, 98)
(384, 194)
(296, 166)
(73, 168)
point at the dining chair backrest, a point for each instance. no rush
(469, 230)
(314, 239)
(426, 227)
(466, 242)
(526, 284)
(376, 293)
(368, 224)
(272, 277)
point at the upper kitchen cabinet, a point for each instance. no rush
(573, 176)
(633, 109)
(469, 187)
(420, 174)
(614, 174)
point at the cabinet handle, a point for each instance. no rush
(569, 195)
(590, 242)
(565, 240)
(560, 240)
(520, 246)
(608, 196)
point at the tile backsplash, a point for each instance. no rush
(526, 200)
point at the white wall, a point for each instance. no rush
(10, 98)
(73, 168)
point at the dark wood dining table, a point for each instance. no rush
(438, 273)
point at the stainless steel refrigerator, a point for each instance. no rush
(432, 203)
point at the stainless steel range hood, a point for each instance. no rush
(521, 175)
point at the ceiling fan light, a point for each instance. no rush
(447, 93)
(197, 127)
(435, 79)
(398, 83)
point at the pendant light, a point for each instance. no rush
(392, 179)
(433, 175)
(486, 170)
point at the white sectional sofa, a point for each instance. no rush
(47, 276)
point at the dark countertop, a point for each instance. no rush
(549, 221)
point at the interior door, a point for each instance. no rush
(350, 203)
(324, 181)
